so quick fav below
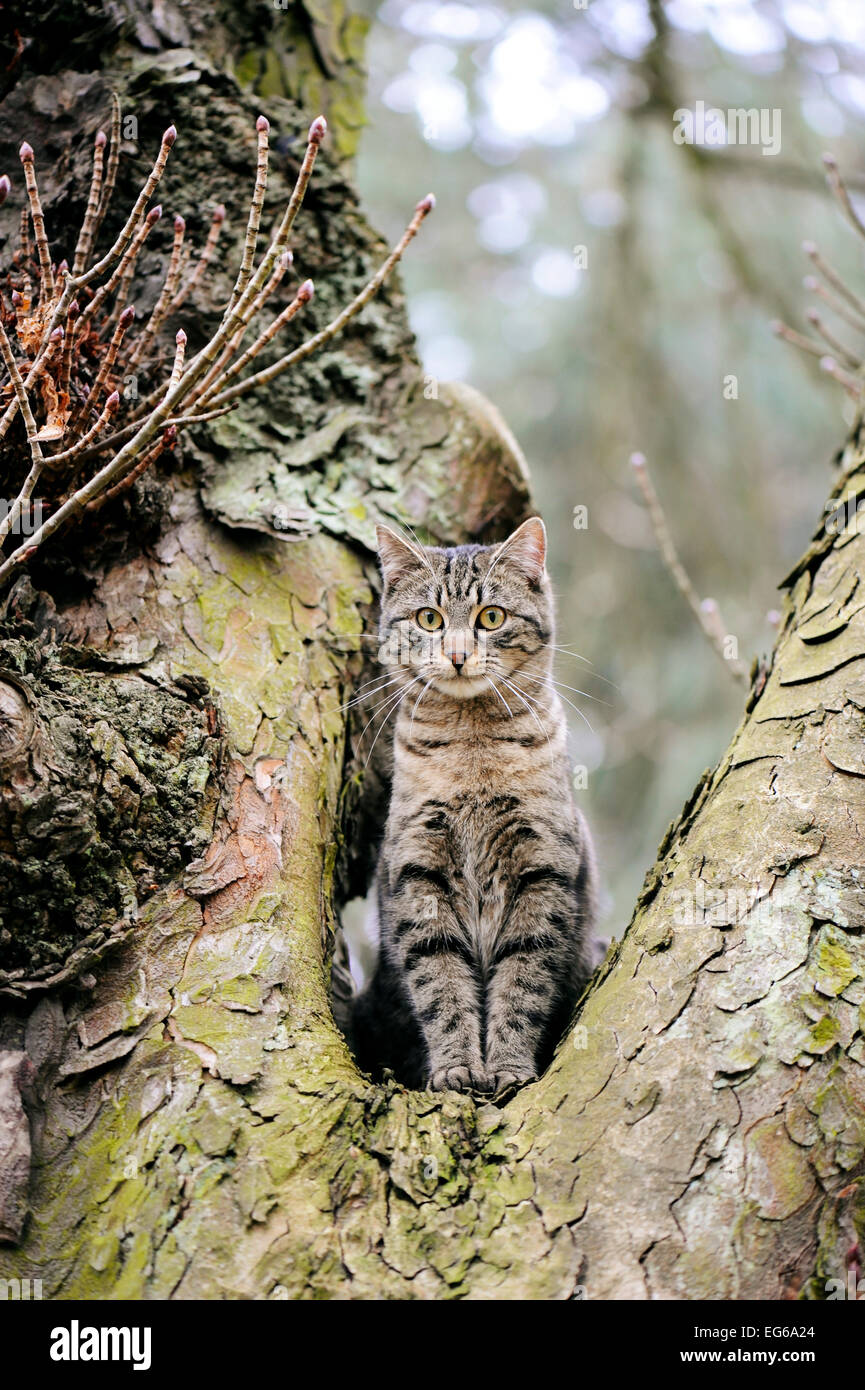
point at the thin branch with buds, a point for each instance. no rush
(85, 240)
(852, 385)
(847, 357)
(336, 326)
(839, 188)
(781, 330)
(844, 364)
(88, 306)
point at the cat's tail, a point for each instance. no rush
(342, 986)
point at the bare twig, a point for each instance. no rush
(203, 261)
(820, 327)
(134, 217)
(837, 305)
(96, 428)
(336, 325)
(181, 421)
(303, 296)
(126, 482)
(37, 217)
(73, 284)
(179, 355)
(705, 611)
(41, 364)
(20, 392)
(781, 330)
(166, 295)
(262, 126)
(85, 240)
(852, 385)
(122, 274)
(111, 169)
(106, 364)
(24, 248)
(11, 518)
(834, 278)
(254, 307)
(68, 344)
(839, 188)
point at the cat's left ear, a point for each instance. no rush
(526, 549)
(395, 556)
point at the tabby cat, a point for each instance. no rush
(485, 878)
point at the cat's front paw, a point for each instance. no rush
(456, 1079)
(497, 1081)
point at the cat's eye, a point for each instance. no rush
(430, 619)
(491, 618)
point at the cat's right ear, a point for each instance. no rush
(526, 549)
(395, 556)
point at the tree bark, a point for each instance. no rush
(171, 708)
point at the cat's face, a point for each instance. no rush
(465, 620)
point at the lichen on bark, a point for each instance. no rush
(199, 1128)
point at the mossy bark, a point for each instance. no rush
(197, 1126)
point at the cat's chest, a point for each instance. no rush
(470, 782)
(458, 768)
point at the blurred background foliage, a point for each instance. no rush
(601, 283)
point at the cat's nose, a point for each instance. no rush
(458, 659)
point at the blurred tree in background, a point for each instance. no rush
(612, 289)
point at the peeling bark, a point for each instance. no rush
(198, 1127)
(15, 1076)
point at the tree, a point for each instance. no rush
(185, 808)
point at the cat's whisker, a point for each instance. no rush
(492, 683)
(528, 706)
(575, 709)
(596, 675)
(414, 545)
(367, 694)
(553, 647)
(560, 684)
(392, 710)
(417, 702)
(381, 676)
(386, 701)
(565, 651)
(386, 674)
(381, 679)
(510, 682)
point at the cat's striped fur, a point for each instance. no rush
(485, 878)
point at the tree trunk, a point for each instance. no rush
(182, 815)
